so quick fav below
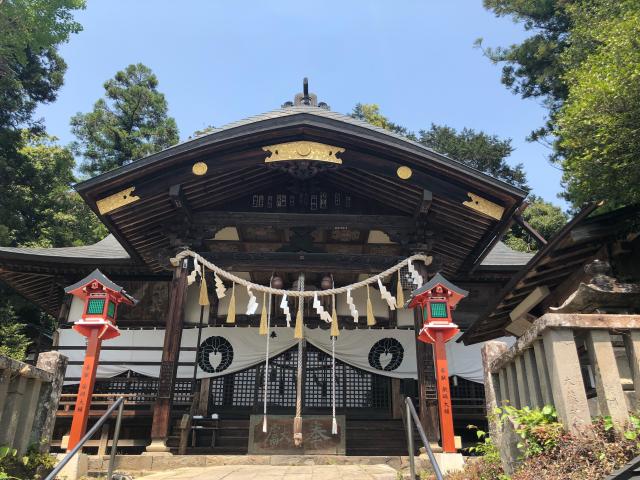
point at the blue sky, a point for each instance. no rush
(219, 61)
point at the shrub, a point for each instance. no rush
(33, 466)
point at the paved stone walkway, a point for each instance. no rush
(272, 472)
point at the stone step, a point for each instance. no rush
(156, 463)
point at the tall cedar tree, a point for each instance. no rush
(479, 150)
(130, 122)
(582, 59)
(483, 152)
(598, 125)
(36, 201)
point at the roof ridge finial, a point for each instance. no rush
(305, 98)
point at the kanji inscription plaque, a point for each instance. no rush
(316, 436)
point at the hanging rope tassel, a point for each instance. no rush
(204, 295)
(399, 293)
(263, 315)
(371, 319)
(299, 321)
(334, 423)
(335, 331)
(297, 421)
(231, 312)
(266, 360)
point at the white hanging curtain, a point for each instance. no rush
(389, 352)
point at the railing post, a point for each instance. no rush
(611, 398)
(411, 448)
(544, 376)
(114, 444)
(569, 396)
(632, 347)
(512, 385)
(533, 382)
(521, 381)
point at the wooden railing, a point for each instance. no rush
(563, 358)
(140, 395)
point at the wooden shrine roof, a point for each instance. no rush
(236, 167)
(445, 208)
(555, 266)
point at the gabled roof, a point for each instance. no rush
(566, 253)
(435, 280)
(290, 115)
(100, 277)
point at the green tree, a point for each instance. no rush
(533, 68)
(31, 71)
(478, 150)
(598, 126)
(129, 123)
(545, 217)
(38, 207)
(582, 60)
(370, 113)
(486, 153)
(13, 341)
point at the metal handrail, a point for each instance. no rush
(412, 415)
(119, 404)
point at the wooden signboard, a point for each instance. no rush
(316, 436)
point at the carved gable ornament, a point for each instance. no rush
(303, 150)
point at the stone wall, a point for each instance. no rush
(29, 400)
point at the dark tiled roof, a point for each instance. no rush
(108, 249)
(502, 256)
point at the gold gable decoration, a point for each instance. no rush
(484, 206)
(303, 150)
(125, 197)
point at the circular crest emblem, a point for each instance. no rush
(217, 349)
(386, 354)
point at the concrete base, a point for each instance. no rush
(77, 467)
(448, 462)
(157, 447)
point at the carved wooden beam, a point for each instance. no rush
(319, 220)
(308, 262)
(179, 202)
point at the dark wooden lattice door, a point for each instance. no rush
(358, 392)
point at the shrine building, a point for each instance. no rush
(303, 199)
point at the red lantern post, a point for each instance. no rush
(98, 322)
(437, 298)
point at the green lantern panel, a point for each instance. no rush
(95, 306)
(439, 310)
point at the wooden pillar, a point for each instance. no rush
(428, 409)
(445, 409)
(161, 423)
(85, 389)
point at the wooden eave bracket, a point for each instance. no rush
(484, 206)
(112, 202)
